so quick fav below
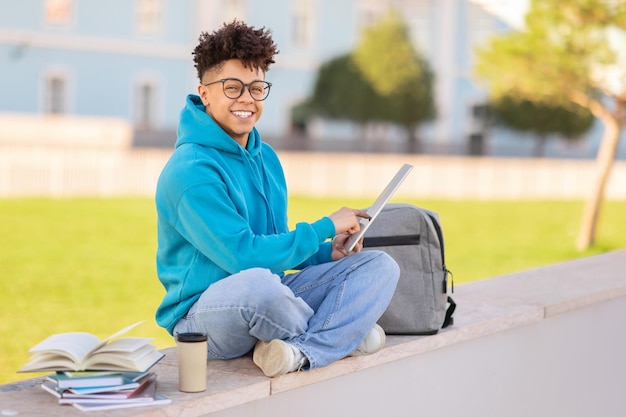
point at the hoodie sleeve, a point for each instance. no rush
(210, 222)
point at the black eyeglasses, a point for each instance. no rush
(233, 88)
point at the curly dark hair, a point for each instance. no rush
(254, 47)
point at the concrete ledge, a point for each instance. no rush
(486, 309)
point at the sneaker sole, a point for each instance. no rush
(272, 357)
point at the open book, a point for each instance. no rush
(78, 351)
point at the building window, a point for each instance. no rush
(146, 104)
(55, 95)
(149, 16)
(58, 12)
(303, 23)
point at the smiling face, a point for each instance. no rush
(236, 116)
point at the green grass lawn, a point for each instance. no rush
(88, 264)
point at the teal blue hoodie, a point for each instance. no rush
(222, 209)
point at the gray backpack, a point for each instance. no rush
(413, 237)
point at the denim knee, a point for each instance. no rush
(382, 261)
(389, 264)
(260, 287)
(266, 295)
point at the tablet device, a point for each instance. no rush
(378, 205)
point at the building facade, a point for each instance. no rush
(132, 59)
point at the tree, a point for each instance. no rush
(569, 52)
(341, 92)
(402, 78)
(348, 87)
(541, 119)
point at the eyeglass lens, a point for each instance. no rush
(233, 88)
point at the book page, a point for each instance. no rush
(48, 362)
(138, 360)
(159, 399)
(126, 344)
(124, 330)
(73, 345)
(69, 351)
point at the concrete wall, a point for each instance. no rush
(37, 170)
(541, 343)
(570, 366)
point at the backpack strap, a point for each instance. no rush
(449, 320)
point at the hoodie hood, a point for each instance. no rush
(196, 126)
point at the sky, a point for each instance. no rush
(512, 11)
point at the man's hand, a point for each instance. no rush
(339, 251)
(346, 220)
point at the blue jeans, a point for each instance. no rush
(324, 310)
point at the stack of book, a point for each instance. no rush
(98, 375)
(103, 390)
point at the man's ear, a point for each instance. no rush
(203, 93)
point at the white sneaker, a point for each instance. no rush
(373, 342)
(277, 357)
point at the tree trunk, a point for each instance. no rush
(604, 163)
(540, 145)
(413, 141)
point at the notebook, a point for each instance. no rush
(378, 205)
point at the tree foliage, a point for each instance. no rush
(569, 52)
(564, 53)
(349, 86)
(542, 119)
(397, 72)
(341, 92)
(386, 56)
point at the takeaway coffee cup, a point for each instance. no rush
(192, 361)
